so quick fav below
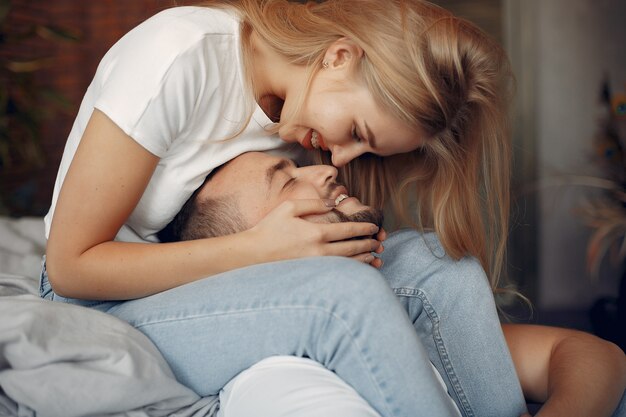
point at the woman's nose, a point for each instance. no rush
(342, 154)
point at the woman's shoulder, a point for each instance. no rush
(192, 20)
(175, 37)
(165, 37)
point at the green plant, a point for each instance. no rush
(607, 214)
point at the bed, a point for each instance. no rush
(63, 360)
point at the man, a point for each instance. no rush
(239, 194)
(571, 372)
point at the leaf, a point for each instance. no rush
(58, 100)
(5, 7)
(4, 98)
(50, 32)
(5, 155)
(32, 65)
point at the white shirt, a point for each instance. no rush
(175, 84)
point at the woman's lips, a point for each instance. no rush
(306, 142)
(313, 140)
(320, 141)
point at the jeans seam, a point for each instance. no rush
(441, 349)
(342, 322)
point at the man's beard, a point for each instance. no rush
(368, 215)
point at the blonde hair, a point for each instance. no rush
(435, 72)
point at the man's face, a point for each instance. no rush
(259, 182)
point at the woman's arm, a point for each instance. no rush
(573, 373)
(104, 183)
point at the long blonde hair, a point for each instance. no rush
(433, 71)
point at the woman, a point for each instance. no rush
(193, 87)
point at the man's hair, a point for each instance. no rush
(204, 218)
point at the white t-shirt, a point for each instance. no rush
(174, 84)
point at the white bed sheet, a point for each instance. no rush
(22, 244)
(64, 360)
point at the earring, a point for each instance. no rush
(325, 64)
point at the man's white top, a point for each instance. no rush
(175, 84)
(287, 386)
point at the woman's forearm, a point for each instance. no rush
(120, 270)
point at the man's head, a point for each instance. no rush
(238, 195)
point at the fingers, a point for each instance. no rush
(349, 239)
(377, 263)
(368, 258)
(299, 208)
(381, 236)
(351, 248)
(333, 232)
(380, 249)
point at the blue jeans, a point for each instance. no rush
(349, 317)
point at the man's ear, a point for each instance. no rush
(343, 53)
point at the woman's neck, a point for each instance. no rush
(272, 77)
(272, 106)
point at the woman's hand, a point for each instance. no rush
(380, 236)
(284, 234)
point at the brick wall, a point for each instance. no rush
(100, 24)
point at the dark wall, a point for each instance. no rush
(27, 189)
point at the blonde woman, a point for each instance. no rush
(407, 99)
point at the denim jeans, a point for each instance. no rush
(349, 317)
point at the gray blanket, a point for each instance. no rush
(64, 360)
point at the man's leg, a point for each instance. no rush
(621, 407)
(287, 386)
(452, 308)
(336, 311)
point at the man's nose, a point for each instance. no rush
(321, 174)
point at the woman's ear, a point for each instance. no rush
(343, 53)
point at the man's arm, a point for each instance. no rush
(573, 373)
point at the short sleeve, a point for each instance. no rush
(150, 82)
